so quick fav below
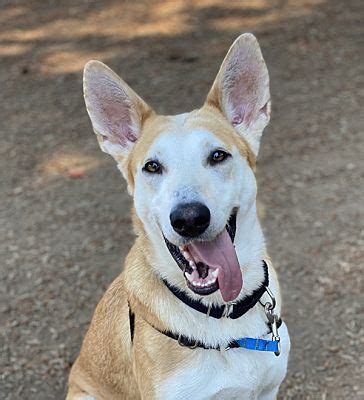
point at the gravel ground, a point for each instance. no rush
(64, 208)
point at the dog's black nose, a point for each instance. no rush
(190, 219)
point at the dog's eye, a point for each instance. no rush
(218, 156)
(153, 167)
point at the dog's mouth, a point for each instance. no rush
(211, 265)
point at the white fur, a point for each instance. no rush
(237, 373)
(233, 374)
(243, 84)
(187, 178)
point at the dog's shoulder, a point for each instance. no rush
(105, 357)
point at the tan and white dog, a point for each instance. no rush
(198, 236)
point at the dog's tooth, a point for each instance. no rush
(215, 273)
(186, 255)
(188, 276)
(192, 264)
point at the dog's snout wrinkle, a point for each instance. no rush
(190, 219)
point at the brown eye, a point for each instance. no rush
(218, 156)
(152, 167)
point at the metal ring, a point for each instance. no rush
(268, 313)
(271, 305)
(271, 296)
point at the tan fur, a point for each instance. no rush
(110, 366)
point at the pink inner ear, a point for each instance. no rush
(117, 122)
(245, 85)
(244, 96)
(109, 108)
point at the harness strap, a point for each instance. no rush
(236, 309)
(246, 343)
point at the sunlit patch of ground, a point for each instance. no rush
(71, 165)
(130, 20)
(13, 49)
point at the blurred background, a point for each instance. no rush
(65, 221)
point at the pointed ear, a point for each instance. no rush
(241, 89)
(116, 111)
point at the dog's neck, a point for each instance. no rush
(249, 245)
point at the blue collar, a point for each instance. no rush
(255, 344)
(244, 343)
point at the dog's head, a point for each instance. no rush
(190, 174)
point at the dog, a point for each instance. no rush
(195, 314)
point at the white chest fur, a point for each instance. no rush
(233, 374)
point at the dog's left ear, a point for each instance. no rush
(241, 90)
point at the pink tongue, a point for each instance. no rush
(220, 253)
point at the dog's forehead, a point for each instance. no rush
(204, 127)
(190, 142)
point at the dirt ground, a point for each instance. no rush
(65, 222)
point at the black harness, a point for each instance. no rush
(231, 310)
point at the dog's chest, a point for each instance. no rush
(232, 374)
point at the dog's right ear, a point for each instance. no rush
(117, 113)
